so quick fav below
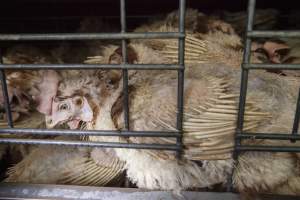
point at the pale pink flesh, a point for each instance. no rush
(48, 90)
(272, 48)
(73, 115)
(74, 123)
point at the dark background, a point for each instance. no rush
(135, 7)
(64, 15)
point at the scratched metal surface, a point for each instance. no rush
(40, 191)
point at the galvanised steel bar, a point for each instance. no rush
(124, 62)
(91, 66)
(89, 36)
(274, 34)
(89, 144)
(268, 136)
(295, 149)
(180, 89)
(68, 18)
(271, 66)
(296, 118)
(5, 95)
(243, 88)
(26, 191)
(124, 71)
(28, 131)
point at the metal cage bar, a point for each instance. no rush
(26, 131)
(91, 144)
(91, 66)
(270, 34)
(296, 118)
(267, 136)
(5, 95)
(90, 36)
(243, 88)
(260, 66)
(180, 93)
(124, 66)
(124, 62)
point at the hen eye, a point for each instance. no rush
(64, 107)
(78, 101)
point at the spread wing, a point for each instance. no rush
(72, 166)
(208, 127)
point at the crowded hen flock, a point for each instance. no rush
(92, 100)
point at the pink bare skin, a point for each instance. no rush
(272, 49)
(71, 110)
(48, 90)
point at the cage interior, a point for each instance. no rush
(66, 16)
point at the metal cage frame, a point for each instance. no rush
(124, 66)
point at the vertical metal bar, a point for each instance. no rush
(297, 117)
(243, 88)
(180, 93)
(124, 71)
(5, 94)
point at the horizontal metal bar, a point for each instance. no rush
(267, 136)
(22, 191)
(268, 148)
(26, 131)
(92, 66)
(90, 36)
(271, 66)
(271, 34)
(66, 18)
(27, 191)
(90, 144)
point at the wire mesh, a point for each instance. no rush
(124, 66)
